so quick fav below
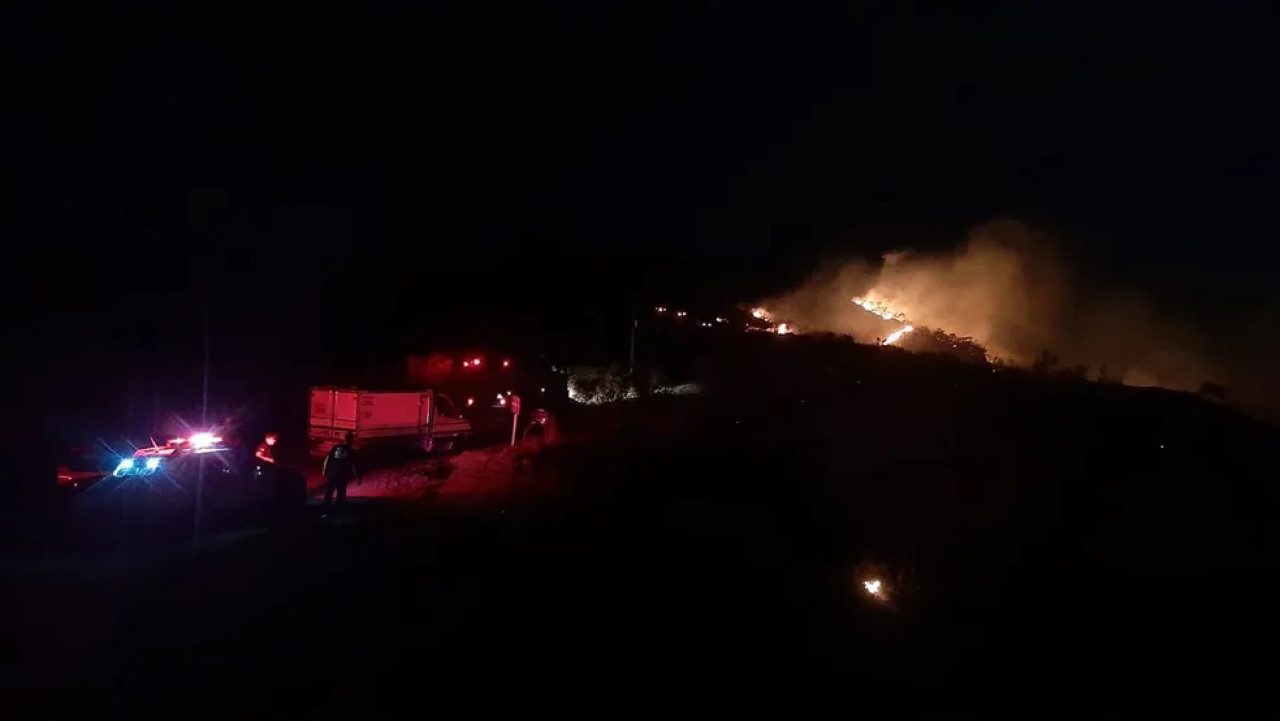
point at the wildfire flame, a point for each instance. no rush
(897, 334)
(877, 309)
(763, 314)
(880, 310)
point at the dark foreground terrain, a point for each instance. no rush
(1037, 543)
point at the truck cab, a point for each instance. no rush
(449, 421)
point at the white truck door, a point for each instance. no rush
(332, 412)
(321, 408)
(345, 409)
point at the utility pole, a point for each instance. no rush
(632, 357)
(204, 391)
(201, 205)
(204, 425)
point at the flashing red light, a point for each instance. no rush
(471, 401)
(204, 440)
(506, 364)
(502, 401)
(466, 363)
(475, 361)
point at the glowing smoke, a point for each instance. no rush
(1009, 290)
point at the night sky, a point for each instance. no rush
(339, 181)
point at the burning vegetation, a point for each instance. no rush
(1004, 296)
(895, 331)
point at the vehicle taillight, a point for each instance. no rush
(471, 401)
(506, 364)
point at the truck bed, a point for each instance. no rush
(368, 414)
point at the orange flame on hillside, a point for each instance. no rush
(880, 310)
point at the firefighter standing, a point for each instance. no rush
(266, 456)
(339, 468)
(540, 427)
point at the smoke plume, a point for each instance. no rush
(1010, 290)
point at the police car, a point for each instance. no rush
(177, 458)
(175, 470)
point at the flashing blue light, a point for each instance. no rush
(153, 463)
(125, 464)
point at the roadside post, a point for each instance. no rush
(515, 417)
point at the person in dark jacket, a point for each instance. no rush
(339, 468)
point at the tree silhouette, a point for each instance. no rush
(1044, 363)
